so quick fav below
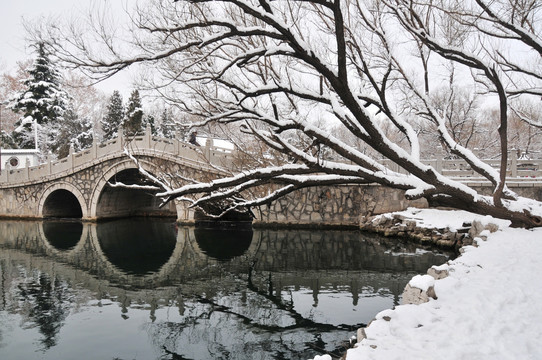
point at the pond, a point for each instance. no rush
(147, 289)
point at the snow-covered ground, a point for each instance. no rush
(489, 307)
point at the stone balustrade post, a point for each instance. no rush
(120, 139)
(27, 169)
(147, 137)
(176, 143)
(395, 167)
(48, 165)
(94, 148)
(207, 150)
(70, 156)
(438, 164)
(513, 156)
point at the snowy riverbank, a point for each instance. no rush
(488, 307)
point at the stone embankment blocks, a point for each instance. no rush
(404, 227)
(421, 288)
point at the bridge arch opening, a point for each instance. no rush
(122, 202)
(62, 203)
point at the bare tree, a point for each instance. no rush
(523, 137)
(286, 71)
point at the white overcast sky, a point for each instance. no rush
(13, 46)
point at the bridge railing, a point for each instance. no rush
(223, 157)
(146, 143)
(457, 168)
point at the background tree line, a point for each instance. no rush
(55, 111)
(326, 88)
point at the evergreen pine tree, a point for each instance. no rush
(113, 119)
(6, 140)
(42, 104)
(133, 121)
(167, 125)
(148, 120)
(84, 135)
(74, 131)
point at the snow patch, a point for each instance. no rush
(422, 282)
(488, 305)
(452, 219)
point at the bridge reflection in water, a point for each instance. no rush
(146, 289)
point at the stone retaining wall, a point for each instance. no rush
(353, 205)
(333, 206)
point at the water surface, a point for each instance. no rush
(147, 289)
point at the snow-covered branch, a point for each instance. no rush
(324, 90)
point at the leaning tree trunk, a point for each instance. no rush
(523, 218)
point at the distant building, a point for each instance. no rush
(18, 158)
(218, 144)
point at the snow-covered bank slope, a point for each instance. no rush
(489, 307)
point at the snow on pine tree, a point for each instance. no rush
(133, 121)
(74, 131)
(167, 125)
(6, 141)
(42, 104)
(113, 118)
(84, 136)
(312, 70)
(148, 120)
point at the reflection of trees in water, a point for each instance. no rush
(284, 250)
(233, 307)
(44, 302)
(239, 320)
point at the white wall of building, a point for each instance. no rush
(18, 158)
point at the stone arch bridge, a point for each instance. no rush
(77, 186)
